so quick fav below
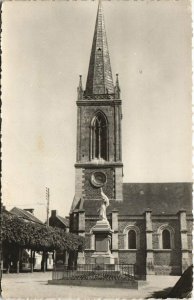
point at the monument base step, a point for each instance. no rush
(102, 258)
(132, 284)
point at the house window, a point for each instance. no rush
(132, 239)
(99, 137)
(166, 239)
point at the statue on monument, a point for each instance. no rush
(104, 205)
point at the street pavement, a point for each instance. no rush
(35, 286)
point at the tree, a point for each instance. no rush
(20, 234)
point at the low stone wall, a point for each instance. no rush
(167, 270)
(96, 283)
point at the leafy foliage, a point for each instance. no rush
(38, 237)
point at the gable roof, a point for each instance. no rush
(65, 221)
(25, 215)
(160, 198)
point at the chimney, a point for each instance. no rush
(31, 210)
(54, 213)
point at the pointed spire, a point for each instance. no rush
(80, 89)
(117, 87)
(99, 80)
(117, 79)
(80, 82)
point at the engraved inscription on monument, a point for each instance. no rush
(102, 243)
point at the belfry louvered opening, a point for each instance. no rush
(99, 137)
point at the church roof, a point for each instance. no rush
(99, 80)
(160, 198)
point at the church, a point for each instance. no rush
(151, 223)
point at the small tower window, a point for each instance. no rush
(132, 239)
(166, 239)
(99, 137)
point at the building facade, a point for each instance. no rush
(58, 221)
(151, 222)
(55, 220)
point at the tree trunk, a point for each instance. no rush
(7, 261)
(7, 264)
(54, 259)
(21, 257)
(18, 261)
(31, 261)
(66, 257)
(8, 267)
(18, 266)
(43, 263)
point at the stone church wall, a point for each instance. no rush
(89, 224)
(133, 256)
(190, 258)
(136, 257)
(87, 241)
(167, 257)
(88, 255)
(137, 223)
(190, 241)
(190, 238)
(90, 192)
(174, 224)
(166, 261)
(189, 234)
(127, 257)
(121, 237)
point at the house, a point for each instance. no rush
(63, 223)
(27, 257)
(57, 221)
(26, 214)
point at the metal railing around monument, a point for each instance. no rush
(123, 272)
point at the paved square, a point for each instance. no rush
(27, 285)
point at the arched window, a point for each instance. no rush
(166, 239)
(132, 239)
(99, 137)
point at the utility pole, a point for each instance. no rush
(44, 254)
(47, 206)
(1, 254)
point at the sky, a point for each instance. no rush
(45, 46)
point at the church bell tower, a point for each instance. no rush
(99, 153)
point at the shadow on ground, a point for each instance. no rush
(182, 289)
(162, 294)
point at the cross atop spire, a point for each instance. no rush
(99, 80)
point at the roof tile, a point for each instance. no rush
(166, 198)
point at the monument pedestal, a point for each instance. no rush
(103, 233)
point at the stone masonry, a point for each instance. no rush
(151, 223)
